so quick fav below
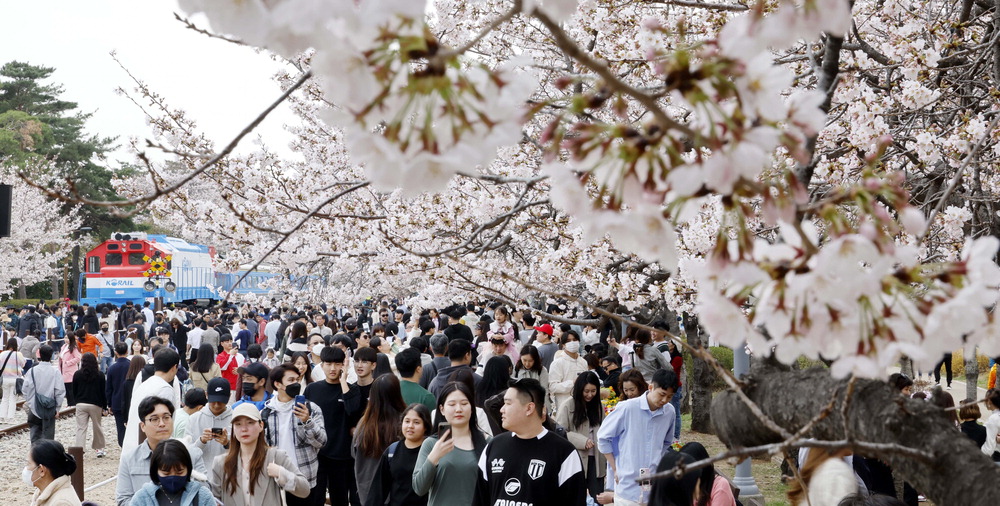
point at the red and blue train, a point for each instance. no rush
(117, 271)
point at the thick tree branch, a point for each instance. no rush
(912, 436)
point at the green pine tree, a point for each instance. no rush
(35, 122)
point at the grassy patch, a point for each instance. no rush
(31, 302)
(767, 473)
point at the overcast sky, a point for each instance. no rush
(220, 85)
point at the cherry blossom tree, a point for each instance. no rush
(809, 178)
(41, 235)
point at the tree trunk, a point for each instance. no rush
(971, 376)
(54, 289)
(22, 291)
(906, 366)
(699, 380)
(957, 472)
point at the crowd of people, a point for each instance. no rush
(472, 404)
(304, 406)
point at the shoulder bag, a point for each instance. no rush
(45, 406)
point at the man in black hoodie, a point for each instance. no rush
(28, 322)
(460, 356)
(456, 329)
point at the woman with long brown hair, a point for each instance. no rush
(631, 384)
(379, 427)
(251, 473)
(393, 481)
(88, 389)
(69, 363)
(135, 366)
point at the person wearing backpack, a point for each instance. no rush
(393, 480)
(44, 392)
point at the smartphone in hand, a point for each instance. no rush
(444, 427)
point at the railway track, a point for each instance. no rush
(15, 429)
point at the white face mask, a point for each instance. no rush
(26, 476)
(317, 349)
(572, 347)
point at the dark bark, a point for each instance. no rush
(956, 474)
(971, 377)
(906, 366)
(700, 379)
(829, 70)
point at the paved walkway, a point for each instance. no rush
(957, 389)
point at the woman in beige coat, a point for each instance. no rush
(49, 469)
(251, 474)
(581, 415)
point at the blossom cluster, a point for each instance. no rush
(671, 178)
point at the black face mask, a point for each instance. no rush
(293, 389)
(249, 388)
(104, 329)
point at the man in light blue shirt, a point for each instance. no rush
(635, 435)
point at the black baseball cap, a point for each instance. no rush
(218, 390)
(256, 369)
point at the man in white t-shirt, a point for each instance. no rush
(194, 336)
(271, 331)
(165, 363)
(148, 317)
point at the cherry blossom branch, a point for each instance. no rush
(514, 304)
(77, 198)
(573, 51)
(774, 448)
(960, 171)
(191, 26)
(285, 235)
(507, 16)
(502, 219)
(702, 5)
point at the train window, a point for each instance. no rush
(113, 258)
(112, 247)
(136, 259)
(135, 245)
(93, 264)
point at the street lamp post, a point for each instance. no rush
(749, 492)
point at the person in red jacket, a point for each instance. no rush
(229, 361)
